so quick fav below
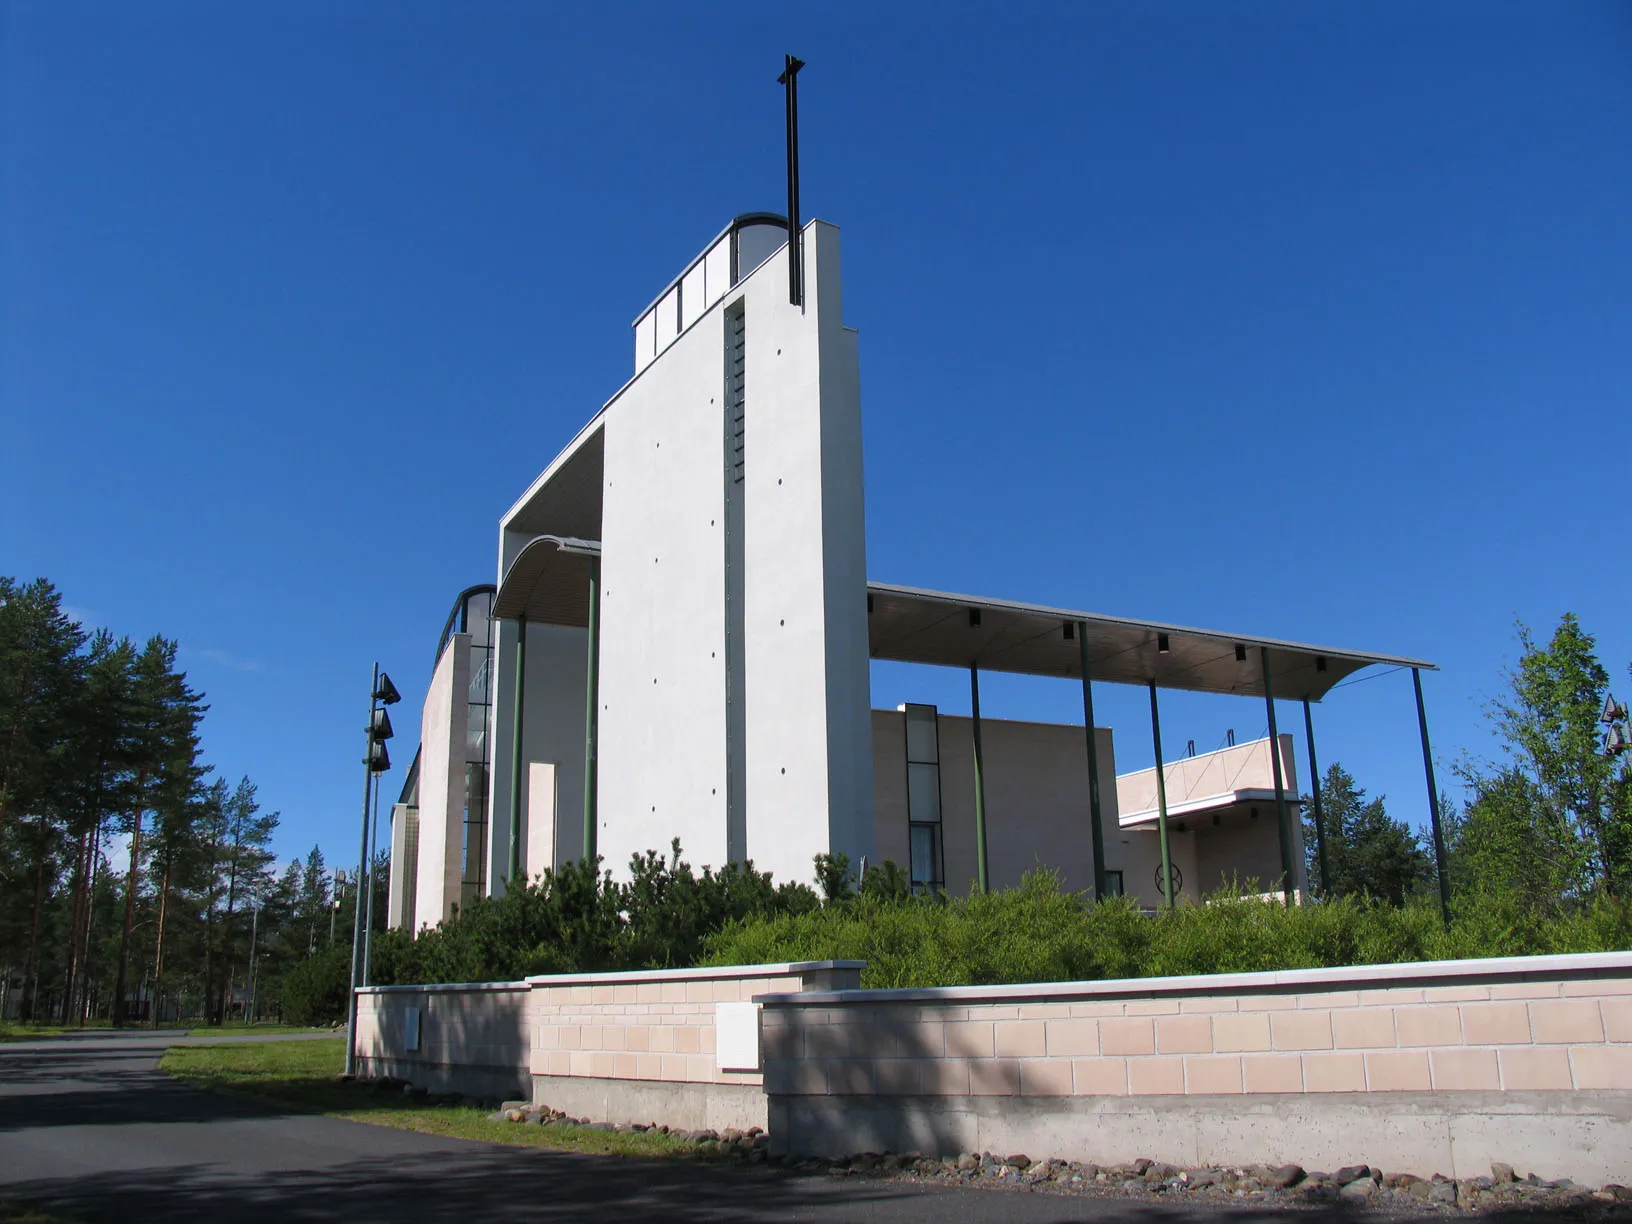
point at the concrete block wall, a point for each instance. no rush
(473, 1037)
(640, 1046)
(1429, 1068)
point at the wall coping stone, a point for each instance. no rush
(1284, 980)
(704, 973)
(444, 987)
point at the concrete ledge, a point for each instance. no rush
(1412, 973)
(472, 1079)
(692, 1106)
(707, 972)
(1583, 1135)
(435, 988)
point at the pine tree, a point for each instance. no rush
(1369, 853)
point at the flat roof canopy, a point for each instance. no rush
(548, 583)
(909, 625)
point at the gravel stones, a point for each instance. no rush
(1360, 1190)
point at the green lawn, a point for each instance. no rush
(229, 1030)
(13, 1031)
(306, 1075)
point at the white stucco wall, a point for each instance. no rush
(662, 760)
(442, 784)
(809, 744)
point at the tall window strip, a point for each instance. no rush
(476, 619)
(735, 419)
(925, 853)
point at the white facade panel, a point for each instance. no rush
(645, 341)
(717, 270)
(662, 759)
(443, 729)
(543, 813)
(693, 297)
(809, 744)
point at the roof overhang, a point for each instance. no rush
(548, 582)
(909, 625)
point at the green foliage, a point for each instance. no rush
(1551, 821)
(315, 991)
(578, 919)
(1368, 853)
(1037, 933)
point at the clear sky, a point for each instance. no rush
(1307, 320)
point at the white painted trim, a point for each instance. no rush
(705, 973)
(1371, 976)
(446, 988)
(1189, 807)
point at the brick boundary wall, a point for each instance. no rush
(624, 1047)
(1435, 1067)
(473, 1036)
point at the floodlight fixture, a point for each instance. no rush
(385, 692)
(1162, 646)
(379, 726)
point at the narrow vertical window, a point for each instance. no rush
(924, 799)
(734, 421)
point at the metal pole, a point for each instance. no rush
(373, 850)
(1096, 824)
(1283, 825)
(1433, 804)
(516, 773)
(981, 873)
(790, 80)
(592, 688)
(1161, 798)
(356, 925)
(1314, 794)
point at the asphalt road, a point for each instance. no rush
(90, 1127)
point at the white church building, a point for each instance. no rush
(677, 644)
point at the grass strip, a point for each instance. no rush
(305, 1075)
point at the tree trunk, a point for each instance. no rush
(130, 903)
(158, 942)
(82, 867)
(31, 999)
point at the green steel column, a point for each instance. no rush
(1095, 822)
(1433, 804)
(517, 774)
(1161, 799)
(980, 780)
(1314, 794)
(1283, 826)
(592, 707)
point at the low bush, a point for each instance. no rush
(1037, 933)
(579, 919)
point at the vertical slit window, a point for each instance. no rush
(924, 847)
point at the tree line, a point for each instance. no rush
(134, 885)
(1546, 826)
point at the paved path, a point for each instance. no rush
(90, 1126)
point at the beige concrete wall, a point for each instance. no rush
(1208, 775)
(473, 1038)
(442, 785)
(1036, 798)
(1541, 1046)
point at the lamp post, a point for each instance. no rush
(380, 694)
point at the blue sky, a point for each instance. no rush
(1312, 321)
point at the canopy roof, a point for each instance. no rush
(548, 583)
(916, 626)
